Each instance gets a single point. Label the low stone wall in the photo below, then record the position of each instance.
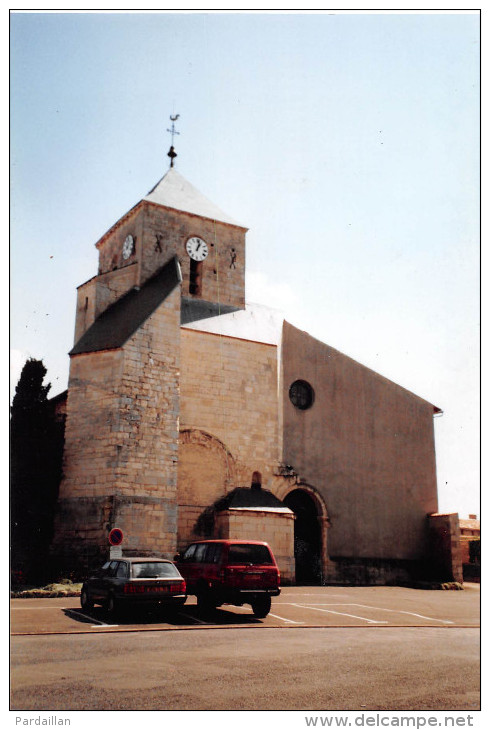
(358, 572)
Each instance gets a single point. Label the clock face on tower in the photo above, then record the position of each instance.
(197, 248)
(128, 247)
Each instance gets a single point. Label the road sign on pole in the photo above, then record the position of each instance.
(115, 536)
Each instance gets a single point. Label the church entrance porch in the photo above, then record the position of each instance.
(309, 537)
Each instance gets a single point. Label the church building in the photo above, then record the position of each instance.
(191, 414)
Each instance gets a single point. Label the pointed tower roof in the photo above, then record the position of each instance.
(174, 191)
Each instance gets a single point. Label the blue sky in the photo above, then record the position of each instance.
(347, 143)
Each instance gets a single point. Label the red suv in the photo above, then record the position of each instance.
(231, 571)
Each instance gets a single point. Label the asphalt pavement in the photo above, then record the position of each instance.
(320, 648)
(298, 606)
(316, 669)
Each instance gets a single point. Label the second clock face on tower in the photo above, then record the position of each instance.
(128, 247)
(197, 248)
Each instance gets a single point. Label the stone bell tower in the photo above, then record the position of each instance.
(173, 219)
(173, 258)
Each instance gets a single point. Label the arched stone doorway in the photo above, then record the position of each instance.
(309, 537)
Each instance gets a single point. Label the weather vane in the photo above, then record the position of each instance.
(172, 153)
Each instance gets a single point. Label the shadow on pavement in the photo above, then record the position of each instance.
(185, 616)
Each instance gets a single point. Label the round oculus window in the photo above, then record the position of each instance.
(301, 395)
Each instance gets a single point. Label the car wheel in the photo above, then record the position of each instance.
(169, 613)
(205, 601)
(85, 600)
(111, 605)
(261, 606)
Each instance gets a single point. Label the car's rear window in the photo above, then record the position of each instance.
(249, 554)
(154, 570)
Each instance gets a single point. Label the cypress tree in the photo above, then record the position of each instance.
(36, 441)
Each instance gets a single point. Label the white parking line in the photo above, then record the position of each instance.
(391, 610)
(90, 618)
(339, 613)
(408, 613)
(287, 620)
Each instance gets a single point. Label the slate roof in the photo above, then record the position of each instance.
(256, 323)
(174, 191)
(123, 318)
(193, 310)
(247, 498)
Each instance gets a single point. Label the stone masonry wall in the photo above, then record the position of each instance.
(91, 424)
(160, 233)
(116, 275)
(367, 446)
(113, 285)
(148, 441)
(229, 390)
(97, 294)
(122, 442)
(110, 247)
(85, 314)
(84, 505)
(206, 472)
(166, 232)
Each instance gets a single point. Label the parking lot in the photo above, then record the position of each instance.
(296, 607)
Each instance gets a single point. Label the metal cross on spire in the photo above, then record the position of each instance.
(172, 153)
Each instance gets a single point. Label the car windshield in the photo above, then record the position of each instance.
(249, 554)
(154, 570)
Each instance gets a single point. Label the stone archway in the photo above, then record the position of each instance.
(206, 471)
(310, 537)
